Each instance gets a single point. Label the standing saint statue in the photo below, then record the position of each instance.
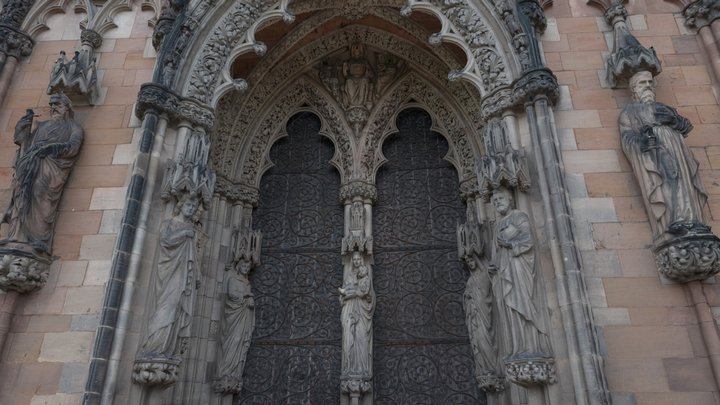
(42, 166)
(175, 283)
(237, 328)
(652, 138)
(515, 284)
(478, 306)
(358, 305)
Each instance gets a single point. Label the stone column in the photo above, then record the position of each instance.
(14, 43)
(357, 297)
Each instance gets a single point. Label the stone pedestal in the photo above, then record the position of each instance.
(22, 270)
(691, 257)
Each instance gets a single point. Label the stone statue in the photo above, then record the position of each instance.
(515, 283)
(652, 138)
(357, 73)
(478, 306)
(237, 328)
(175, 284)
(42, 166)
(358, 305)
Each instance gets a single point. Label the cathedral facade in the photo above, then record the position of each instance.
(359, 202)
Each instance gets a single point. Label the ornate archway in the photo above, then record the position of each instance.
(250, 66)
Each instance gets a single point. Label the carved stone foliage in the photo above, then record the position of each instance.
(535, 83)
(700, 13)
(238, 322)
(652, 138)
(296, 350)
(210, 62)
(42, 166)
(160, 99)
(13, 41)
(490, 62)
(501, 166)
(236, 192)
(422, 351)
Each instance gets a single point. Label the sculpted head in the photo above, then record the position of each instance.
(642, 85)
(357, 260)
(244, 267)
(60, 107)
(188, 206)
(502, 200)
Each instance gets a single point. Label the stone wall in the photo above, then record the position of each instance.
(653, 346)
(46, 356)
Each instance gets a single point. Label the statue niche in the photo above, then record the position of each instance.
(42, 166)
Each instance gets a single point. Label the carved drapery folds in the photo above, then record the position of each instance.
(238, 322)
(652, 138)
(42, 166)
(78, 75)
(357, 296)
(189, 184)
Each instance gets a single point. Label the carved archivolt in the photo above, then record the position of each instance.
(241, 115)
(445, 118)
(475, 28)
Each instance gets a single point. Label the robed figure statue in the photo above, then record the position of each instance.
(42, 166)
(358, 305)
(652, 138)
(175, 284)
(515, 285)
(237, 329)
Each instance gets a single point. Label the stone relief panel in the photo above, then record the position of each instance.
(295, 353)
(422, 351)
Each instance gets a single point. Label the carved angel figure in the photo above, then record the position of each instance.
(358, 305)
(357, 73)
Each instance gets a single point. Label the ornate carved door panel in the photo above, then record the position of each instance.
(422, 352)
(294, 357)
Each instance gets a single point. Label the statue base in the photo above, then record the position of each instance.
(531, 371)
(160, 371)
(490, 382)
(690, 257)
(355, 387)
(227, 385)
(21, 269)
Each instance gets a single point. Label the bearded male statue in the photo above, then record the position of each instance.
(652, 137)
(42, 166)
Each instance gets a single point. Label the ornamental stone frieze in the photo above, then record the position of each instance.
(42, 166)
(700, 13)
(162, 100)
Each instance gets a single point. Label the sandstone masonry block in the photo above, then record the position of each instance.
(67, 347)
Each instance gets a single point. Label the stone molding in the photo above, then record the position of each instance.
(156, 97)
